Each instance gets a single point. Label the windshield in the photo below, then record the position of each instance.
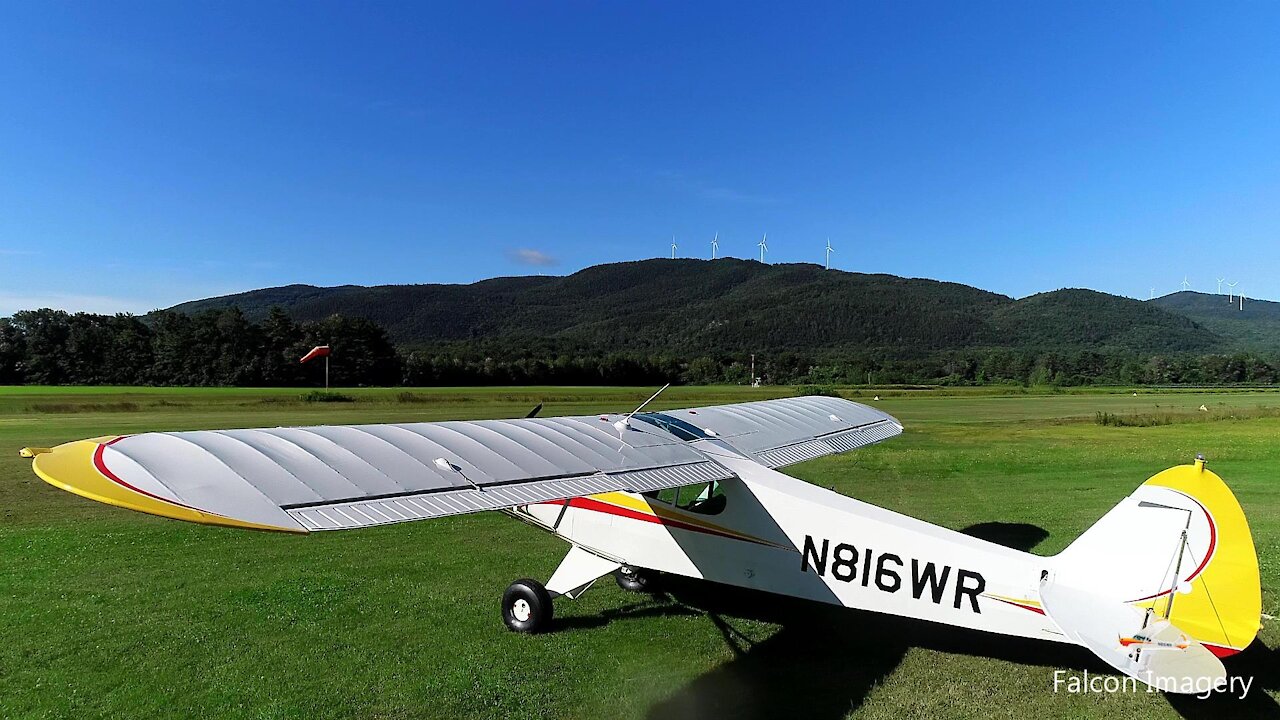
(681, 429)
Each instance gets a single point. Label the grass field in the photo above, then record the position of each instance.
(104, 612)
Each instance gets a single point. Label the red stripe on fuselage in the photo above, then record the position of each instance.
(1032, 608)
(587, 503)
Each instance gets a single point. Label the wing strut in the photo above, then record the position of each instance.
(578, 571)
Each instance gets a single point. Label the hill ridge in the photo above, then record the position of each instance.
(698, 307)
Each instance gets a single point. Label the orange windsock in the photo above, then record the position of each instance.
(316, 352)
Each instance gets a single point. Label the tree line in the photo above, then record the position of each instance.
(53, 347)
(224, 348)
(464, 365)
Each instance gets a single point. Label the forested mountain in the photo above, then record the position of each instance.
(1068, 319)
(697, 307)
(657, 321)
(1251, 325)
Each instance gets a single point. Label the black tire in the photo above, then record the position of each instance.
(635, 579)
(527, 607)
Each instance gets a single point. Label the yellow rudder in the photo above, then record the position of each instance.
(1220, 602)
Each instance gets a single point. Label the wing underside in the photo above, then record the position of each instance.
(421, 506)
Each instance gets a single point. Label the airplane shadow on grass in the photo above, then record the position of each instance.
(825, 660)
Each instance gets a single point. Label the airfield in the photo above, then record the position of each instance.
(108, 612)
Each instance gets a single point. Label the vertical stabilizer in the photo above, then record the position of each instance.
(1164, 582)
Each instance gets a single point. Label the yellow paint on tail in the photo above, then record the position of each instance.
(1224, 607)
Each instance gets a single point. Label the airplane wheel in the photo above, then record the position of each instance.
(634, 580)
(527, 607)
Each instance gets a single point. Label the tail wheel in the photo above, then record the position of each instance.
(527, 607)
(634, 579)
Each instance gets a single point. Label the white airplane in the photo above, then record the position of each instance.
(1159, 588)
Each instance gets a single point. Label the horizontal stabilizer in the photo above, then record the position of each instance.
(1136, 642)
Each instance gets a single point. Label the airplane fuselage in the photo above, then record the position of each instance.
(778, 534)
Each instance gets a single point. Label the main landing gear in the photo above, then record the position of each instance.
(527, 607)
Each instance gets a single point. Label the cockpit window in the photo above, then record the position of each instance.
(681, 429)
(707, 498)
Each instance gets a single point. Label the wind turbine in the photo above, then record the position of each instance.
(1220, 285)
(1231, 292)
(764, 245)
(1185, 285)
(673, 247)
(715, 245)
(829, 251)
(1153, 294)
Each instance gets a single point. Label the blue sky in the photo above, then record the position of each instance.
(157, 152)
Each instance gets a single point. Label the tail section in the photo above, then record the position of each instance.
(1164, 582)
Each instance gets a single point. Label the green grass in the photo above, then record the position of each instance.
(1204, 413)
(104, 612)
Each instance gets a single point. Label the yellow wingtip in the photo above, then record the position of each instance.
(71, 467)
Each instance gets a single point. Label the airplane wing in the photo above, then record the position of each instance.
(336, 477)
(783, 432)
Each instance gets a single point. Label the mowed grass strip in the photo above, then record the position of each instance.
(112, 613)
